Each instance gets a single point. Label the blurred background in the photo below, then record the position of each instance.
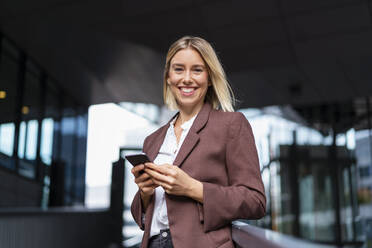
(81, 86)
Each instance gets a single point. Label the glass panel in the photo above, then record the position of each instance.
(32, 129)
(46, 141)
(316, 201)
(346, 206)
(22, 137)
(81, 150)
(7, 138)
(317, 215)
(286, 220)
(56, 154)
(275, 195)
(6, 144)
(27, 148)
(363, 171)
(46, 147)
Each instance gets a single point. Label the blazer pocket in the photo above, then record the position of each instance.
(221, 238)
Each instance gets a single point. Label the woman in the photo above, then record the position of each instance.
(205, 172)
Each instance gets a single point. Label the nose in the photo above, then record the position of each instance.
(187, 78)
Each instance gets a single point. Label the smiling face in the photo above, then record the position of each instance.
(188, 79)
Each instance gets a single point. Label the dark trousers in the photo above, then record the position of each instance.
(162, 240)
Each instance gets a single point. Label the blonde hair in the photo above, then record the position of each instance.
(219, 94)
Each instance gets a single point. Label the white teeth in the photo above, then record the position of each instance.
(187, 90)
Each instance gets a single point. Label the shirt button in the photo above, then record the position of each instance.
(164, 234)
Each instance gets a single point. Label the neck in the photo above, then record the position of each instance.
(187, 113)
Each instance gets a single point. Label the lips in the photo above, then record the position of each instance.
(187, 91)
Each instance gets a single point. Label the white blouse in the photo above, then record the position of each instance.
(167, 154)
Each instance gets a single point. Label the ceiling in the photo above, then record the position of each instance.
(275, 52)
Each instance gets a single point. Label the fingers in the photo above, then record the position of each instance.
(137, 169)
(141, 178)
(159, 177)
(149, 164)
(165, 169)
(147, 183)
(147, 186)
(162, 184)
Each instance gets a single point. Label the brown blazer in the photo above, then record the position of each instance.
(219, 151)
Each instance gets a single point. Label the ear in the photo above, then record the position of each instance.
(168, 81)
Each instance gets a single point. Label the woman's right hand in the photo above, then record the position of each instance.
(144, 183)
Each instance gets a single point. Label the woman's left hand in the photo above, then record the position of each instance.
(175, 181)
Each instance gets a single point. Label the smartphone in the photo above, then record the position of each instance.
(136, 159)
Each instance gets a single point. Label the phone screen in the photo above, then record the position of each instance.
(137, 159)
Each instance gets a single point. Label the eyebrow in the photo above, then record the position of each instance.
(196, 65)
(173, 65)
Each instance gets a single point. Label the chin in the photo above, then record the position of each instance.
(188, 103)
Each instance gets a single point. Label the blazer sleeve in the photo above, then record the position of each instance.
(244, 197)
(137, 208)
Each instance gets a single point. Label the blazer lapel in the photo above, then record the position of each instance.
(192, 137)
(154, 149)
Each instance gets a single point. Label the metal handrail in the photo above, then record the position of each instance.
(246, 236)
(72, 227)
